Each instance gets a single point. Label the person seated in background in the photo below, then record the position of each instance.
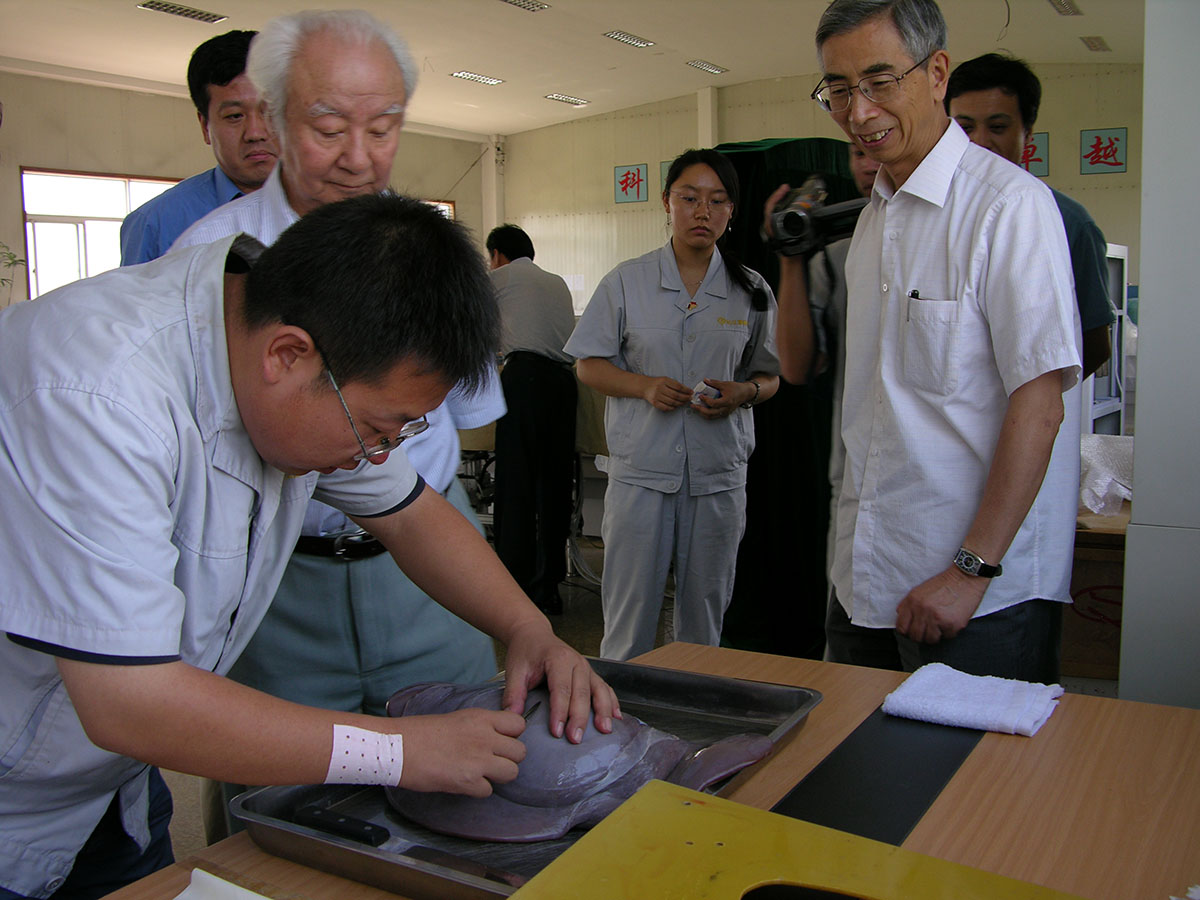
(995, 99)
(207, 396)
(233, 124)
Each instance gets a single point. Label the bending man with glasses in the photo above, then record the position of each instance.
(954, 527)
(202, 417)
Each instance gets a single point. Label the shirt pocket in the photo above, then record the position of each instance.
(931, 329)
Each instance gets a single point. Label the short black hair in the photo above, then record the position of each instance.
(378, 280)
(511, 240)
(994, 70)
(217, 61)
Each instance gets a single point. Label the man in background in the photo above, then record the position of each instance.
(347, 628)
(535, 439)
(995, 99)
(232, 122)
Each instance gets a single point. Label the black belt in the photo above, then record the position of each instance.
(341, 546)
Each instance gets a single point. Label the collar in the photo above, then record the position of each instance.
(278, 212)
(714, 282)
(224, 187)
(216, 407)
(931, 180)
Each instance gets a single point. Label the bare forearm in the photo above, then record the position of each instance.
(794, 328)
(189, 720)
(1031, 423)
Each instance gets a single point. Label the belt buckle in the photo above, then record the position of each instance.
(343, 544)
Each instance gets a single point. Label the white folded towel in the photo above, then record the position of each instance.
(938, 693)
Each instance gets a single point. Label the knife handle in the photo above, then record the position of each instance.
(324, 819)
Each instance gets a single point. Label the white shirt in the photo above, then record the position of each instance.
(959, 292)
(140, 525)
(435, 452)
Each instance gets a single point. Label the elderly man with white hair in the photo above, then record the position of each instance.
(347, 628)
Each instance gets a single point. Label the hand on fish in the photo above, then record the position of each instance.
(558, 785)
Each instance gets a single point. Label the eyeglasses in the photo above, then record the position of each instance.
(877, 88)
(386, 444)
(691, 202)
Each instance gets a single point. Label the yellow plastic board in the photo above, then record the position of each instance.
(670, 842)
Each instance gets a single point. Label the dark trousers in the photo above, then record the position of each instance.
(110, 859)
(1021, 642)
(535, 467)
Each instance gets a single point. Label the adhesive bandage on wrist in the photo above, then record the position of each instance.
(365, 757)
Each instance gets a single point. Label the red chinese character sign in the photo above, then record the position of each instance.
(630, 185)
(1035, 155)
(1102, 151)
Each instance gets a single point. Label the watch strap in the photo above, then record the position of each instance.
(972, 564)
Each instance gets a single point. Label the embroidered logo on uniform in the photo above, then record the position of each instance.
(721, 320)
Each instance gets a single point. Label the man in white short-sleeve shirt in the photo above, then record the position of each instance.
(955, 523)
(162, 429)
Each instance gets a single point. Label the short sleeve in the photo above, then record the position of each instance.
(599, 330)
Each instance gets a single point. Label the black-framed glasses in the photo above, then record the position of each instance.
(385, 444)
(877, 88)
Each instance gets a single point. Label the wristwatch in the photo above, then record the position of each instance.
(973, 564)
(749, 403)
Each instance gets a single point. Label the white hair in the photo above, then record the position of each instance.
(272, 51)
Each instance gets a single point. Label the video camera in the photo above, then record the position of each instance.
(803, 224)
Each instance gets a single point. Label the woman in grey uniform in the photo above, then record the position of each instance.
(681, 340)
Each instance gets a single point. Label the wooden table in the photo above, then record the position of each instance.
(1103, 802)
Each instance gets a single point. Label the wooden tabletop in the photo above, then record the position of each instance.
(1103, 802)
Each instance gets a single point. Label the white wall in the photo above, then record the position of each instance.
(558, 180)
(1160, 656)
(62, 125)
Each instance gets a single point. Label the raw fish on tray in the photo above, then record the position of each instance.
(561, 785)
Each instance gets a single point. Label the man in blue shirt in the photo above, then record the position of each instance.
(995, 99)
(232, 123)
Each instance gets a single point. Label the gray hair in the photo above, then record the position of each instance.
(920, 23)
(269, 64)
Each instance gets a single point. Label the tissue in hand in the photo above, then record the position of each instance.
(704, 390)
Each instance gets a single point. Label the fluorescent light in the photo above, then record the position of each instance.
(705, 66)
(478, 79)
(527, 5)
(187, 12)
(631, 39)
(1065, 7)
(567, 98)
(1096, 44)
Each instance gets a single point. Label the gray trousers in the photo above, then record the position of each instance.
(643, 531)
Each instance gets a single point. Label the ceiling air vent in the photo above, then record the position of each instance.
(477, 78)
(705, 66)
(527, 5)
(1065, 7)
(1096, 44)
(186, 12)
(567, 98)
(631, 39)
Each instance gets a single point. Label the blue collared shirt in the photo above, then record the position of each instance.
(149, 231)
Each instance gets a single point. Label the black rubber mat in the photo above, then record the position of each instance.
(882, 778)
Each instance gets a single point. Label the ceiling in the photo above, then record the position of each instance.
(561, 49)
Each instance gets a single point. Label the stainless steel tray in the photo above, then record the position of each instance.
(424, 865)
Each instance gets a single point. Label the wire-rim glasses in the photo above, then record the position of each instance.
(691, 202)
(386, 444)
(877, 88)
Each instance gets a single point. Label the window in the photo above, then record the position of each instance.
(73, 223)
